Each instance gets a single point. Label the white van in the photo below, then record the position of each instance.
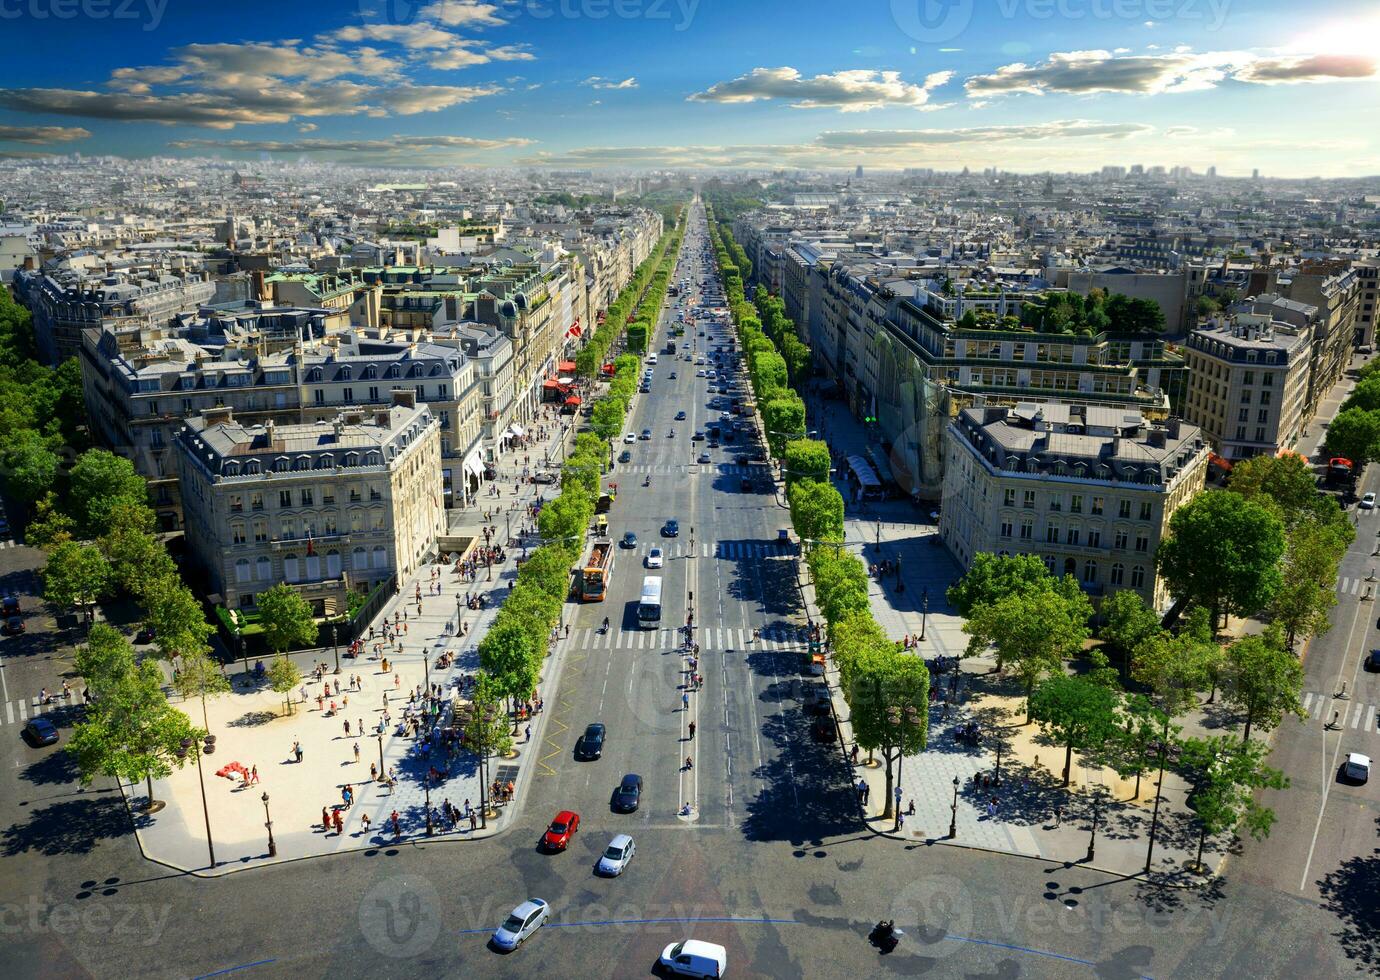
(694, 958)
(651, 358)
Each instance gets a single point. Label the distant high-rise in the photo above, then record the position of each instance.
(1212, 171)
(858, 171)
(1255, 173)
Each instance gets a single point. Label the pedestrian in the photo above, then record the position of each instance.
(326, 818)
(373, 772)
(685, 700)
(855, 753)
(253, 774)
(359, 725)
(297, 750)
(910, 810)
(689, 763)
(527, 734)
(474, 821)
(364, 819)
(692, 731)
(397, 825)
(356, 751)
(1058, 814)
(867, 793)
(339, 824)
(347, 727)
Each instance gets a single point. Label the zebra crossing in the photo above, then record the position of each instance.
(8, 543)
(1353, 586)
(673, 548)
(678, 469)
(1350, 714)
(19, 711)
(708, 637)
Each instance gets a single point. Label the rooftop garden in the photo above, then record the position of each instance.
(1075, 315)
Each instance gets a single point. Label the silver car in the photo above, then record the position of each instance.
(616, 856)
(524, 920)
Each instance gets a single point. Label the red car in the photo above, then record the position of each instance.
(558, 835)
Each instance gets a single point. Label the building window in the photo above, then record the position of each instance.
(1138, 577)
(1006, 528)
(308, 496)
(1244, 415)
(284, 498)
(1076, 504)
(1260, 434)
(328, 495)
(1090, 572)
(1265, 397)
(1241, 432)
(1118, 573)
(1097, 503)
(1094, 539)
(1145, 510)
(318, 396)
(260, 532)
(1073, 535)
(1248, 378)
(348, 394)
(356, 521)
(242, 571)
(1027, 529)
(256, 501)
(237, 533)
(236, 503)
(1052, 534)
(1142, 543)
(1029, 500)
(1009, 497)
(1056, 502)
(1268, 379)
(1123, 510)
(1120, 541)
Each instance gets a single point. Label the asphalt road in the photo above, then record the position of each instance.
(775, 864)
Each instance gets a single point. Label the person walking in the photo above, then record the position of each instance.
(347, 727)
(689, 763)
(326, 818)
(297, 751)
(356, 751)
(397, 825)
(339, 823)
(685, 700)
(1058, 815)
(364, 821)
(253, 774)
(692, 731)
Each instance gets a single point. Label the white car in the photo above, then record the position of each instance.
(654, 558)
(694, 958)
(524, 920)
(630, 437)
(1368, 502)
(616, 856)
(1357, 767)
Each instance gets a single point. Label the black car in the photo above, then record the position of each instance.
(625, 457)
(670, 529)
(145, 635)
(698, 437)
(822, 730)
(591, 744)
(14, 625)
(1373, 660)
(41, 731)
(629, 540)
(11, 605)
(628, 795)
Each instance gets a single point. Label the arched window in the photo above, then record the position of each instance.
(1090, 572)
(380, 556)
(290, 570)
(263, 569)
(359, 559)
(1138, 577)
(332, 564)
(1118, 573)
(241, 571)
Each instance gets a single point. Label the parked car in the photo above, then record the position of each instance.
(1356, 769)
(628, 796)
(616, 856)
(822, 729)
(591, 744)
(1367, 502)
(563, 827)
(695, 958)
(524, 920)
(145, 635)
(40, 731)
(544, 476)
(704, 457)
(1373, 660)
(11, 605)
(630, 437)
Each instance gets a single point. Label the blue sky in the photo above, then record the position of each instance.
(1022, 84)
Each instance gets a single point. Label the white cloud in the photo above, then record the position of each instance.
(1060, 130)
(849, 91)
(391, 146)
(42, 134)
(464, 13)
(596, 81)
(1090, 72)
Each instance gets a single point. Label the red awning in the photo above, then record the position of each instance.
(1220, 461)
(551, 383)
(573, 331)
(573, 400)
(608, 369)
(565, 367)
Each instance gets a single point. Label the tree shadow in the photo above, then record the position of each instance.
(54, 768)
(252, 719)
(73, 826)
(806, 791)
(1349, 892)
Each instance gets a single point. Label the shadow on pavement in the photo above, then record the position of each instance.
(73, 826)
(1349, 892)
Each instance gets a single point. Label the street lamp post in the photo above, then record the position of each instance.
(1092, 840)
(953, 813)
(208, 747)
(899, 716)
(1159, 783)
(427, 787)
(379, 735)
(268, 824)
(335, 646)
(924, 611)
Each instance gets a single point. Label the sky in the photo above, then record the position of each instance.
(1024, 85)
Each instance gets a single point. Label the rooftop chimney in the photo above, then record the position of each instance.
(405, 397)
(220, 415)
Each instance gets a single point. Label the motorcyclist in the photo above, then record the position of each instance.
(606, 624)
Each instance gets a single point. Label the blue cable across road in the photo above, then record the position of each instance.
(232, 969)
(1027, 949)
(645, 922)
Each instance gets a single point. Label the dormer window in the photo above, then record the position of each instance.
(280, 465)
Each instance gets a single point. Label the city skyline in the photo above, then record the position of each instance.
(1021, 85)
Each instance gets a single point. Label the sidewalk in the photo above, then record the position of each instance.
(253, 730)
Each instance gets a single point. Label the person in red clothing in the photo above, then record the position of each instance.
(397, 826)
(339, 824)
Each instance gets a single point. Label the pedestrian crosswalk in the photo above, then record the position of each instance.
(673, 548)
(708, 637)
(676, 469)
(1350, 714)
(20, 710)
(1353, 586)
(10, 543)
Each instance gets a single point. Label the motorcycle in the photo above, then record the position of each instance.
(885, 936)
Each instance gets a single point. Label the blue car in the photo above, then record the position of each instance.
(41, 731)
(670, 529)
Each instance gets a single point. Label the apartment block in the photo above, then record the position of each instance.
(1089, 489)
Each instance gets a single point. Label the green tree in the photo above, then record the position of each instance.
(31, 464)
(486, 727)
(1263, 682)
(548, 569)
(508, 655)
(1223, 553)
(198, 676)
(1287, 481)
(179, 624)
(1365, 395)
(783, 415)
(1074, 712)
(1355, 434)
(816, 510)
(1133, 749)
(888, 702)
(1128, 623)
(286, 618)
(137, 558)
(76, 576)
(100, 480)
(606, 419)
(49, 526)
(283, 676)
(806, 459)
(105, 661)
(1308, 587)
(1225, 775)
(1177, 667)
(1033, 631)
(991, 577)
(131, 732)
